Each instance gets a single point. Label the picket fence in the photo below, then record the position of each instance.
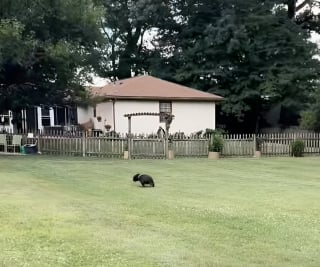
(151, 146)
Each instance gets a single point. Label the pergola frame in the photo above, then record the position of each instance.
(168, 119)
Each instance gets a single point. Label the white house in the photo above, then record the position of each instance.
(193, 110)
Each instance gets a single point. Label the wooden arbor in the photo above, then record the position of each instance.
(168, 119)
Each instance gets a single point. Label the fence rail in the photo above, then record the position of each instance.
(150, 146)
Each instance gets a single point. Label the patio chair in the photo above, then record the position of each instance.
(16, 142)
(3, 142)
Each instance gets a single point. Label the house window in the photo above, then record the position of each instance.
(45, 116)
(164, 108)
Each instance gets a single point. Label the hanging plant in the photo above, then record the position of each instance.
(107, 127)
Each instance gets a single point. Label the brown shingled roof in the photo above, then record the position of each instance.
(148, 87)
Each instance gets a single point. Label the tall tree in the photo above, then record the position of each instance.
(249, 51)
(125, 25)
(295, 6)
(46, 50)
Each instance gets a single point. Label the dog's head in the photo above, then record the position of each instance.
(136, 177)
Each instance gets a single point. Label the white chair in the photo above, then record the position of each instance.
(16, 142)
(3, 142)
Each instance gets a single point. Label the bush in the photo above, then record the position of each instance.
(208, 132)
(216, 144)
(309, 120)
(297, 148)
(259, 142)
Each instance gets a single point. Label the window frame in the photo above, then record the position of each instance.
(164, 110)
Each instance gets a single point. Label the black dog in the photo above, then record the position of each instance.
(143, 179)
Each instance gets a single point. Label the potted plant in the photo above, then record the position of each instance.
(99, 118)
(126, 152)
(107, 127)
(215, 146)
(297, 148)
(170, 148)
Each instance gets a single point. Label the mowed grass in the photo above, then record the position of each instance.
(230, 212)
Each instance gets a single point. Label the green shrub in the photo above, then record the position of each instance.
(297, 148)
(216, 143)
(309, 120)
(209, 132)
(259, 142)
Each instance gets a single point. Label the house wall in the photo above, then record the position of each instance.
(84, 114)
(190, 117)
(139, 124)
(105, 111)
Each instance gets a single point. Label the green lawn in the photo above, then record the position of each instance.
(231, 212)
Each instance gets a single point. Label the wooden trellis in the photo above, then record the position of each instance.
(168, 119)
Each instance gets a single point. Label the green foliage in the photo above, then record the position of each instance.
(46, 50)
(259, 142)
(309, 120)
(216, 143)
(309, 17)
(250, 52)
(126, 24)
(217, 131)
(297, 148)
(310, 117)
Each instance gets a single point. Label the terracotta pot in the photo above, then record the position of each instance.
(170, 154)
(213, 155)
(257, 154)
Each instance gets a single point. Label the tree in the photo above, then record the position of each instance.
(125, 25)
(310, 116)
(46, 50)
(294, 6)
(250, 52)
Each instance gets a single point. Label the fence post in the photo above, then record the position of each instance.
(38, 142)
(83, 144)
(166, 143)
(257, 148)
(129, 138)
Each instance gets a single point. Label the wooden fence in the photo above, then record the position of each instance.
(238, 145)
(85, 146)
(142, 146)
(147, 148)
(275, 144)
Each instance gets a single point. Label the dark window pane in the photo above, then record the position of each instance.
(46, 121)
(45, 112)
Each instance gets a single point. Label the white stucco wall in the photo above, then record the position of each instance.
(105, 111)
(141, 124)
(190, 117)
(84, 114)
